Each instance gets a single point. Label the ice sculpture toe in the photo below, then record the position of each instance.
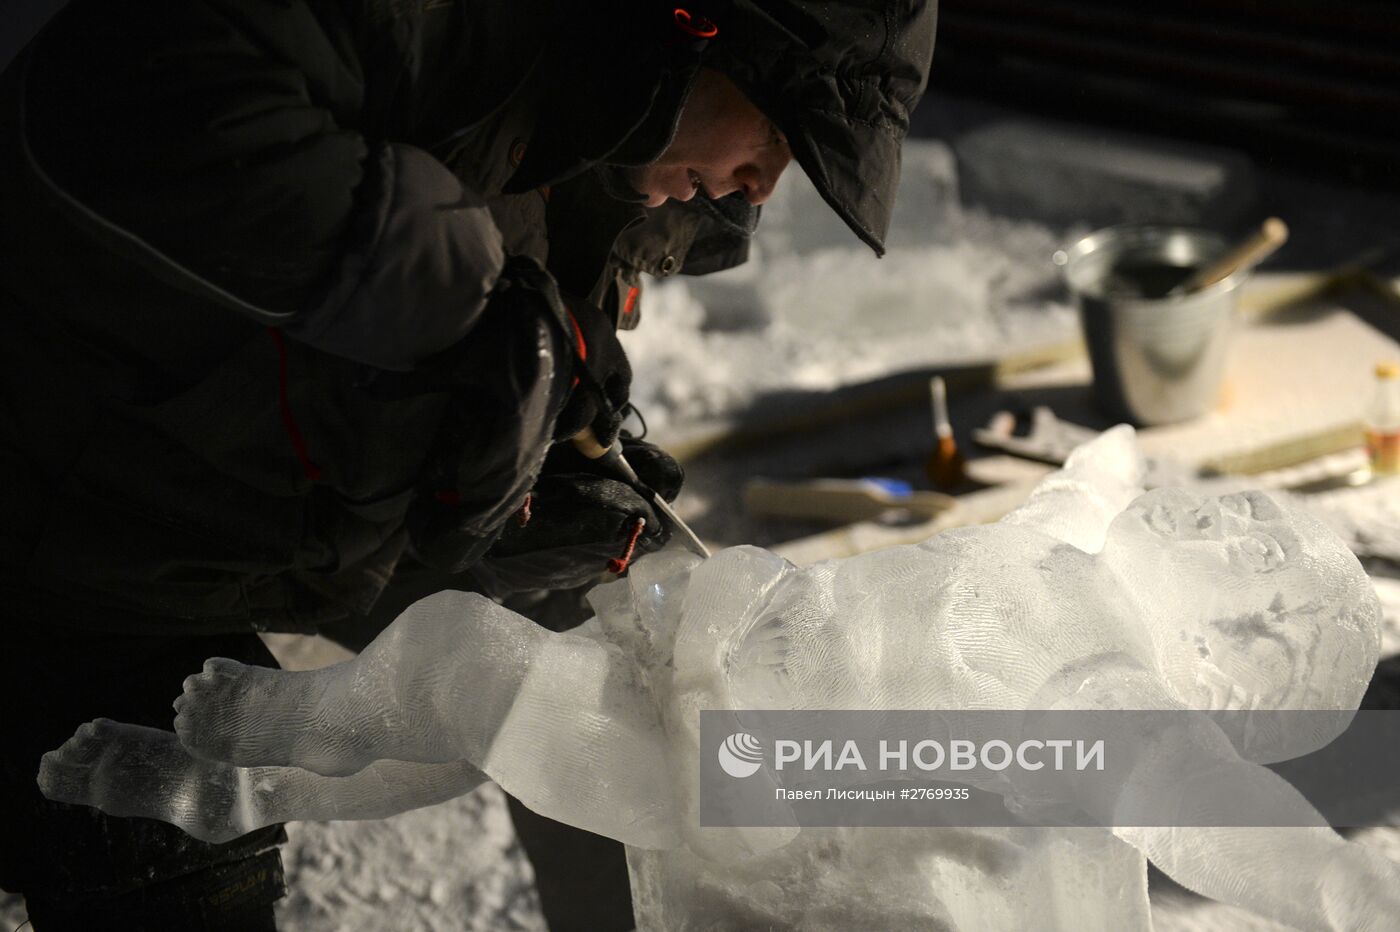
(210, 714)
(66, 774)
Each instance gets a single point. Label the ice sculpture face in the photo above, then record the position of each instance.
(1249, 603)
(974, 618)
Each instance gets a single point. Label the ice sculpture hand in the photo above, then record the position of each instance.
(1092, 595)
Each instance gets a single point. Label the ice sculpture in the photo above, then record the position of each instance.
(1092, 595)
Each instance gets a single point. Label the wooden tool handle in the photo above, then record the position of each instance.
(611, 458)
(1272, 234)
(586, 442)
(938, 395)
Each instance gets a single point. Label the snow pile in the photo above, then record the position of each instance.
(454, 867)
(815, 309)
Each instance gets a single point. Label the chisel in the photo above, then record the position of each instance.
(586, 442)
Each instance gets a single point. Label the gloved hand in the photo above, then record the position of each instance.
(603, 376)
(535, 369)
(580, 525)
(505, 385)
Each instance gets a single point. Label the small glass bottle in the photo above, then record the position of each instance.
(1382, 421)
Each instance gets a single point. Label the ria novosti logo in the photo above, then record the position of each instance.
(740, 755)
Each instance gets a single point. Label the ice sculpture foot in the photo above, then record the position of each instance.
(260, 717)
(67, 773)
(129, 770)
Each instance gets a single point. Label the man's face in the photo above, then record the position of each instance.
(723, 144)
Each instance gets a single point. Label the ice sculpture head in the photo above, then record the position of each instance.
(1249, 604)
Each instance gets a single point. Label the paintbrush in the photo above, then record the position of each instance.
(944, 465)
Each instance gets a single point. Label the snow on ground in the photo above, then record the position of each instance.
(454, 867)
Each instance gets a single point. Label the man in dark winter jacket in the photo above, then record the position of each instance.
(304, 302)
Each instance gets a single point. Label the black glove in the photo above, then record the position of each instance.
(603, 374)
(505, 383)
(580, 525)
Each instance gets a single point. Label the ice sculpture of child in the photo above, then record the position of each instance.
(1092, 595)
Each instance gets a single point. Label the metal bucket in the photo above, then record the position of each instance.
(1156, 360)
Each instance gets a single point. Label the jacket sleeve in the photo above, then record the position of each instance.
(224, 143)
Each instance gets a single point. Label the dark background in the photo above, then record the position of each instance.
(1305, 84)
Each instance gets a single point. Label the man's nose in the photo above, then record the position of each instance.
(757, 193)
(758, 181)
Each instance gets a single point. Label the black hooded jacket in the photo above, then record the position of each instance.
(235, 231)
